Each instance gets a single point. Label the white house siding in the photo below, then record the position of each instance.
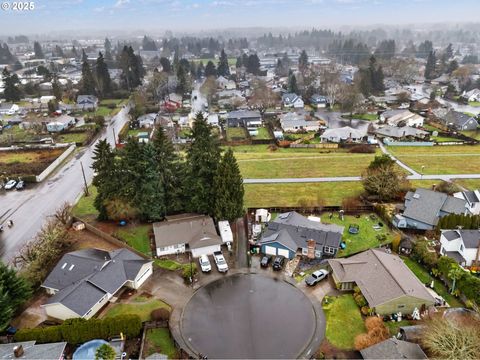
(142, 276)
(469, 254)
(172, 249)
(59, 311)
(207, 250)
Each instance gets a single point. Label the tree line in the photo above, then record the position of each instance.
(150, 180)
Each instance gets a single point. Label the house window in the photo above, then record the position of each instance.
(88, 312)
(461, 247)
(304, 251)
(329, 250)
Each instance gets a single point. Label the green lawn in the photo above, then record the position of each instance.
(168, 264)
(160, 341)
(344, 321)
(259, 152)
(470, 184)
(117, 102)
(394, 326)
(423, 275)
(139, 306)
(137, 237)
(84, 208)
(369, 117)
(236, 133)
(457, 159)
(263, 134)
(365, 239)
(301, 194)
(104, 111)
(474, 103)
(475, 134)
(77, 137)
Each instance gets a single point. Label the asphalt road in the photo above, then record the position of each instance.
(30, 208)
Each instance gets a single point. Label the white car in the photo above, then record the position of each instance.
(222, 265)
(10, 184)
(205, 263)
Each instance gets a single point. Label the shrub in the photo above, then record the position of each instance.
(160, 314)
(189, 271)
(360, 300)
(373, 322)
(376, 332)
(447, 187)
(365, 310)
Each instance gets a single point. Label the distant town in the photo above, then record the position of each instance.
(259, 194)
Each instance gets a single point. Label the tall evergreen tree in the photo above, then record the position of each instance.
(14, 291)
(292, 83)
(210, 69)
(166, 66)
(303, 61)
(104, 81)
(430, 66)
(132, 68)
(37, 49)
(108, 50)
(88, 81)
(203, 157)
(56, 89)
(228, 189)
(74, 52)
(223, 68)
(105, 179)
(253, 64)
(11, 90)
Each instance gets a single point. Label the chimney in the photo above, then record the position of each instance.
(311, 249)
(18, 351)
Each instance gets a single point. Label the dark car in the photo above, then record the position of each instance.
(316, 277)
(266, 260)
(278, 263)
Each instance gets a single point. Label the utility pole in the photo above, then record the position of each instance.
(84, 180)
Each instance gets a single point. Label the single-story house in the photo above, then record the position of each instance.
(84, 281)
(224, 83)
(343, 134)
(292, 100)
(147, 120)
(459, 121)
(245, 118)
(406, 132)
(402, 118)
(291, 233)
(44, 100)
(387, 284)
(86, 102)
(60, 123)
(193, 232)
(8, 108)
(472, 95)
(293, 122)
(393, 349)
(319, 101)
(31, 350)
(472, 198)
(461, 245)
(423, 208)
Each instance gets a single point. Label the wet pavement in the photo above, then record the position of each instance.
(251, 316)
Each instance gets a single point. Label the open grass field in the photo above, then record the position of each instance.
(77, 137)
(236, 133)
(137, 236)
(344, 321)
(159, 341)
(474, 134)
(304, 194)
(140, 306)
(440, 159)
(27, 162)
(367, 237)
(470, 184)
(423, 275)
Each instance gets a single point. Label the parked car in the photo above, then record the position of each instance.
(222, 265)
(266, 260)
(20, 185)
(316, 277)
(205, 263)
(278, 263)
(10, 184)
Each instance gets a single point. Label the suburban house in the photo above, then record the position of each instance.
(192, 232)
(291, 233)
(84, 281)
(173, 102)
(402, 133)
(387, 284)
(87, 102)
(147, 120)
(459, 121)
(291, 100)
(8, 108)
(343, 134)
(393, 349)
(319, 101)
(224, 83)
(472, 95)
(31, 350)
(402, 118)
(245, 118)
(423, 208)
(293, 122)
(461, 245)
(472, 198)
(60, 123)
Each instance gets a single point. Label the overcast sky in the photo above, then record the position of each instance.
(57, 15)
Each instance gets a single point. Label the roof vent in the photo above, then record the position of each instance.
(71, 267)
(416, 196)
(64, 266)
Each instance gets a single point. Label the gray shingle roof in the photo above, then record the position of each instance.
(457, 118)
(393, 349)
(425, 205)
(470, 238)
(399, 132)
(51, 351)
(380, 276)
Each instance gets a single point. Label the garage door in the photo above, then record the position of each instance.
(270, 250)
(284, 252)
(206, 250)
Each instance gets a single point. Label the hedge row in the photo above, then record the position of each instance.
(77, 331)
(468, 284)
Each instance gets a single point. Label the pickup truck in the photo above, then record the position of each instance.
(222, 265)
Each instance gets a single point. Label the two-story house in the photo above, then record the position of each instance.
(461, 245)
